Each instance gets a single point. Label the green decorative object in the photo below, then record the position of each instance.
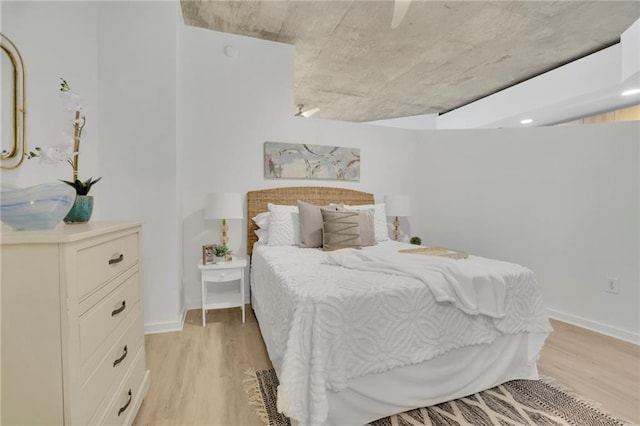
(221, 250)
(51, 154)
(82, 188)
(222, 253)
(81, 210)
(415, 240)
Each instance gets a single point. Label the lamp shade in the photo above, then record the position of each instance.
(223, 206)
(397, 205)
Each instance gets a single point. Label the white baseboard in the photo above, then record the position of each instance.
(167, 326)
(596, 326)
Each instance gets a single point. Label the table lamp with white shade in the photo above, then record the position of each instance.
(397, 206)
(223, 206)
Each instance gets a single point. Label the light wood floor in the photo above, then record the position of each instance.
(196, 374)
(597, 367)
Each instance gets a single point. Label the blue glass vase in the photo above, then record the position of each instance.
(36, 207)
(81, 210)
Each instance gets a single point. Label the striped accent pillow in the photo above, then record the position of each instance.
(340, 230)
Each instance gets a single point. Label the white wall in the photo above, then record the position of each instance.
(137, 87)
(230, 107)
(630, 64)
(415, 122)
(55, 40)
(562, 200)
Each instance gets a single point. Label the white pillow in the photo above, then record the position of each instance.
(379, 219)
(262, 220)
(284, 226)
(263, 235)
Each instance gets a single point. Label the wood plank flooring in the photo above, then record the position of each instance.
(196, 374)
(597, 367)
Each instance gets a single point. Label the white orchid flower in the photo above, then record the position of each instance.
(52, 154)
(71, 101)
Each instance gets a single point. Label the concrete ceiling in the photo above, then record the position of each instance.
(351, 65)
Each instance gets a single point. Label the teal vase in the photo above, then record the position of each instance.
(81, 210)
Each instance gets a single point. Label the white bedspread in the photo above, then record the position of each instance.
(473, 287)
(324, 324)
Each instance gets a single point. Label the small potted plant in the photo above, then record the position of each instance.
(83, 206)
(415, 240)
(221, 251)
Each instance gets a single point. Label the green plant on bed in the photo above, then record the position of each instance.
(415, 240)
(221, 250)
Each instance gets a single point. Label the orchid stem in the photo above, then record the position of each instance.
(77, 131)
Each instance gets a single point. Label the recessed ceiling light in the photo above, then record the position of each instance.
(630, 92)
(526, 121)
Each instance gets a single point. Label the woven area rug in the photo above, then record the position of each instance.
(515, 403)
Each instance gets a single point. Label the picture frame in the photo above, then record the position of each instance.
(208, 254)
(305, 161)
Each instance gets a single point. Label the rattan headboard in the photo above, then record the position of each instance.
(257, 201)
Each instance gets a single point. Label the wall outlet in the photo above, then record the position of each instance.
(613, 285)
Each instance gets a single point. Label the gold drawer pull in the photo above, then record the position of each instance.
(116, 260)
(125, 406)
(119, 360)
(120, 309)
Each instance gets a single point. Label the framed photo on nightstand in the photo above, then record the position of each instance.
(208, 254)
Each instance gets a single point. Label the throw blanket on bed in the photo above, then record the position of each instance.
(476, 289)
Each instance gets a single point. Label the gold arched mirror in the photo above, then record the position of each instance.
(12, 93)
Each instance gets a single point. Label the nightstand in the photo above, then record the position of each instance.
(218, 273)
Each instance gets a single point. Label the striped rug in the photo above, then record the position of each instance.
(515, 403)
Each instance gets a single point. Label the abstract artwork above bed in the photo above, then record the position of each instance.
(304, 161)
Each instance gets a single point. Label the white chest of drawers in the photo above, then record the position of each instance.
(72, 326)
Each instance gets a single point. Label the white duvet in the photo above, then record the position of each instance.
(476, 288)
(324, 324)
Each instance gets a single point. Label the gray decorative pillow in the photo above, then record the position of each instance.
(340, 230)
(311, 224)
(367, 228)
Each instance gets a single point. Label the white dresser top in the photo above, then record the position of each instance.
(63, 233)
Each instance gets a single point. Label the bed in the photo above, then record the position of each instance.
(353, 345)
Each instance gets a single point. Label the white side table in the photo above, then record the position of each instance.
(222, 273)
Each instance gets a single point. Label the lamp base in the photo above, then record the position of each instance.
(223, 231)
(396, 228)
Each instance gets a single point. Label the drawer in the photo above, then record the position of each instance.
(222, 276)
(104, 379)
(99, 263)
(127, 396)
(97, 324)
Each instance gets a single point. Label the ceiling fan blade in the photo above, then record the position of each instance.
(310, 112)
(400, 8)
